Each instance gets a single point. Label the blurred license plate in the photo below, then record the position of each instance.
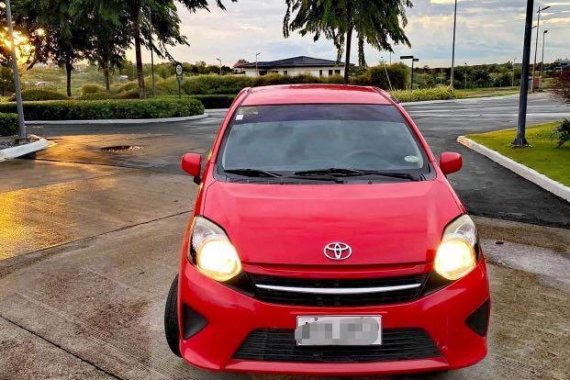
(339, 331)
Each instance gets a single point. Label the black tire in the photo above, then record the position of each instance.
(171, 329)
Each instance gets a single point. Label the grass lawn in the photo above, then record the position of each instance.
(542, 157)
(483, 92)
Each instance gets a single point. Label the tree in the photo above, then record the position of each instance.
(150, 17)
(378, 23)
(110, 41)
(67, 34)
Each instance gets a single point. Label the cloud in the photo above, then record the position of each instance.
(487, 31)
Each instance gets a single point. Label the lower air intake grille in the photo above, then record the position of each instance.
(279, 346)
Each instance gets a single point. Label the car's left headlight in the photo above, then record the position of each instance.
(214, 254)
(456, 254)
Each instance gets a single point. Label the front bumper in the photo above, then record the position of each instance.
(231, 316)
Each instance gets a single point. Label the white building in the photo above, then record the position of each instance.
(292, 67)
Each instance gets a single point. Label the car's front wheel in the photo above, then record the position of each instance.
(171, 329)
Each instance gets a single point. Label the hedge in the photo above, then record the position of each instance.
(438, 93)
(8, 124)
(37, 94)
(215, 101)
(108, 109)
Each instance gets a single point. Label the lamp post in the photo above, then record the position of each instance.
(514, 61)
(386, 72)
(452, 74)
(256, 68)
(413, 59)
(542, 64)
(220, 61)
(22, 132)
(520, 140)
(151, 53)
(536, 44)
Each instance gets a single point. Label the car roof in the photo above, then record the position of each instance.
(314, 94)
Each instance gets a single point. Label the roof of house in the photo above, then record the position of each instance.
(301, 61)
(314, 94)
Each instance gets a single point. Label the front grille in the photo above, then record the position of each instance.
(279, 345)
(380, 297)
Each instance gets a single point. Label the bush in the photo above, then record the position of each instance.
(215, 101)
(99, 96)
(8, 124)
(37, 95)
(438, 93)
(562, 133)
(91, 89)
(108, 109)
(376, 76)
(124, 87)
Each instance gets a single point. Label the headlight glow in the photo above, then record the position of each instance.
(215, 256)
(456, 254)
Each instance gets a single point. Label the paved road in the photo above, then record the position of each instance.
(89, 241)
(486, 188)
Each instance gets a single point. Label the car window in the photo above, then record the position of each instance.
(292, 138)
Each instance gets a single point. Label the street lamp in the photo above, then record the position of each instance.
(219, 60)
(536, 44)
(256, 68)
(514, 61)
(520, 140)
(22, 133)
(386, 72)
(413, 59)
(542, 64)
(452, 75)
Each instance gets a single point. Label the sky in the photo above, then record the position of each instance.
(488, 31)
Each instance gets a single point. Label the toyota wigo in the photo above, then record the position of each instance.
(326, 239)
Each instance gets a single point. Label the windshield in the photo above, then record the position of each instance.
(331, 139)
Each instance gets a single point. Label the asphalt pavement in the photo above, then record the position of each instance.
(89, 241)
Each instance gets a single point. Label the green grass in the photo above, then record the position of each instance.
(485, 92)
(542, 157)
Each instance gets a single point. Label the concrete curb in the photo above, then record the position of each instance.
(22, 150)
(532, 175)
(118, 121)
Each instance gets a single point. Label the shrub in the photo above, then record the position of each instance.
(131, 94)
(562, 133)
(37, 95)
(124, 87)
(8, 124)
(99, 96)
(438, 93)
(376, 76)
(108, 109)
(91, 89)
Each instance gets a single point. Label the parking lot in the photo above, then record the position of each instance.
(89, 241)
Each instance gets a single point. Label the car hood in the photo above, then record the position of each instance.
(384, 224)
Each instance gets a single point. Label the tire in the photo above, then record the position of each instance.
(171, 328)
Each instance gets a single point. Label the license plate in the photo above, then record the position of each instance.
(358, 330)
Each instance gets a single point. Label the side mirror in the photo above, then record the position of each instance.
(450, 162)
(192, 164)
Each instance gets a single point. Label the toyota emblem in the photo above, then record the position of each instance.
(338, 251)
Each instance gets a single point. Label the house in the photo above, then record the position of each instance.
(292, 67)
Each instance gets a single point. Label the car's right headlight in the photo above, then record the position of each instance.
(214, 254)
(456, 254)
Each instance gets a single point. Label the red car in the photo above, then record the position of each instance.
(327, 240)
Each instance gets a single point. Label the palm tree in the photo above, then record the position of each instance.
(379, 23)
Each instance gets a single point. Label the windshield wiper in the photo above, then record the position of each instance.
(253, 173)
(346, 172)
(339, 172)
